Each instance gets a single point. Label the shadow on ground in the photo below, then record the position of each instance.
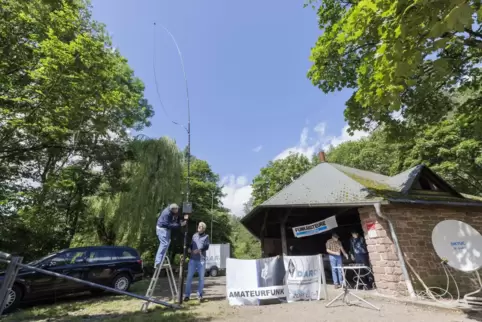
(62, 315)
(111, 307)
(474, 315)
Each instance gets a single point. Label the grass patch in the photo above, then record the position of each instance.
(87, 307)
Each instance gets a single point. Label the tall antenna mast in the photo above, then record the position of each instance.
(187, 207)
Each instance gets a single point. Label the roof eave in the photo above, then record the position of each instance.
(255, 210)
(436, 202)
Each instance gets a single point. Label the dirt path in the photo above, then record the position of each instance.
(122, 308)
(316, 310)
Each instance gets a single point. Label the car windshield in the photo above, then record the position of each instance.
(38, 261)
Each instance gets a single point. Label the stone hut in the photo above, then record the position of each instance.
(395, 214)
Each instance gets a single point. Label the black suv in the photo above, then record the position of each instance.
(113, 266)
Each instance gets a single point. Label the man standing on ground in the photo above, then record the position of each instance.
(168, 220)
(197, 261)
(334, 249)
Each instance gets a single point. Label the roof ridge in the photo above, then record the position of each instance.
(345, 166)
(292, 182)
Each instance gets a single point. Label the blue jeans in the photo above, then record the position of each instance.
(336, 273)
(164, 236)
(200, 267)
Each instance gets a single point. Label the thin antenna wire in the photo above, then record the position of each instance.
(155, 76)
(183, 71)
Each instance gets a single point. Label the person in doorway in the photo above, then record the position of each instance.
(197, 261)
(358, 249)
(335, 249)
(294, 251)
(359, 254)
(168, 220)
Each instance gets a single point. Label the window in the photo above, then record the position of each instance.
(426, 184)
(126, 254)
(68, 258)
(101, 256)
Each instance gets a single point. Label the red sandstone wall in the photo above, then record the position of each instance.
(414, 226)
(383, 255)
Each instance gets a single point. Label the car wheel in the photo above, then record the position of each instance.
(13, 300)
(213, 272)
(121, 282)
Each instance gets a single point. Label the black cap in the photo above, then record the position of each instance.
(335, 235)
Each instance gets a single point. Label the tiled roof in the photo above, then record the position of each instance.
(334, 185)
(330, 184)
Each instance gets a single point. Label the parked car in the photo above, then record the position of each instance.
(116, 267)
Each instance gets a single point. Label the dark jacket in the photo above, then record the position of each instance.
(358, 245)
(168, 220)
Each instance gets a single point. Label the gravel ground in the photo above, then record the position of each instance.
(316, 310)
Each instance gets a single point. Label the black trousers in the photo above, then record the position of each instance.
(367, 278)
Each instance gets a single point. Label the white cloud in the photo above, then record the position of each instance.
(258, 148)
(310, 144)
(237, 191)
(345, 137)
(237, 188)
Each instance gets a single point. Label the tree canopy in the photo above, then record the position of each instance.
(404, 56)
(67, 102)
(278, 174)
(70, 174)
(452, 148)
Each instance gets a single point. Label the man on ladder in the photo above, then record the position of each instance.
(168, 220)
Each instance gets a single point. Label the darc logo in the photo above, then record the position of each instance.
(294, 273)
(306, 274)
(212, 258)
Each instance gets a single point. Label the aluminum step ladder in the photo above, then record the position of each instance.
(170, 277)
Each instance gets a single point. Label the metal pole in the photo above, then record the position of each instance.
(109, 289)
(188, 129)
(212, 215)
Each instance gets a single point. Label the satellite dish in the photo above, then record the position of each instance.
(459, 244)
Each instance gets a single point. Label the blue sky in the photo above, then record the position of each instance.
(246, 65)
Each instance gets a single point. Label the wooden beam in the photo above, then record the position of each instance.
(263, 233)
(284, 245)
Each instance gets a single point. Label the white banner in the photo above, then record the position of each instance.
(303, 277)
(274, 280)
(315, 228)
(256, 281)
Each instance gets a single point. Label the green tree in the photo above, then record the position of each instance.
(244, 246)
(377, 153)
(127, 215)
(206, 197)
(67, 100)
(278, 174)
(452, 148)
(398, 56)
(248, 206)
